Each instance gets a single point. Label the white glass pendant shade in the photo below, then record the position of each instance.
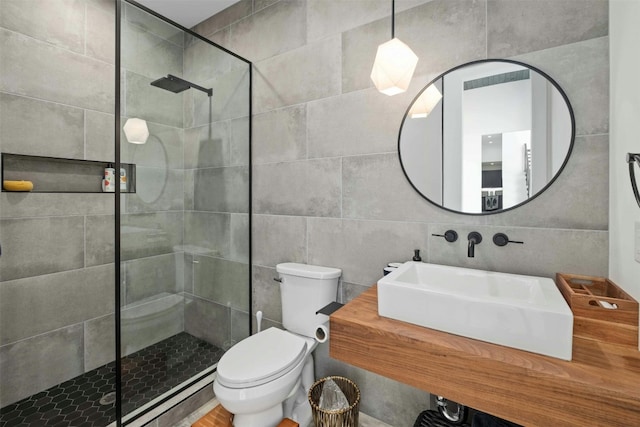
(136, 131)
(393, 67)
(425, 102)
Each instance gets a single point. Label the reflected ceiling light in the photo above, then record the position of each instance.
(425, 102)
(394, 64)
(136, 131)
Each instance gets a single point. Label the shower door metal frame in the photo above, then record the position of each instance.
(117, 221)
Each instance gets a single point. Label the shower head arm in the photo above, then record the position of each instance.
(191, 85)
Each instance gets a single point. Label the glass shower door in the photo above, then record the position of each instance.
(184, 207)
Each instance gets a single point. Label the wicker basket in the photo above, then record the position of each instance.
(347, 417)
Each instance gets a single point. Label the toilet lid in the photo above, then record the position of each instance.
(260, 358)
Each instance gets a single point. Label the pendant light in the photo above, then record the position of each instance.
(136, 131)
(425, 102)
(394, 64)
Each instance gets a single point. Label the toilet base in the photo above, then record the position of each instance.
(268, 418)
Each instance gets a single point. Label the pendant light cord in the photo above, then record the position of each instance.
(393, 18)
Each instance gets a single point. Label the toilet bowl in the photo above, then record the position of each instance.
(254, 390)
(267, 376)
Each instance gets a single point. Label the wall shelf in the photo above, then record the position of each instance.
(59, 175)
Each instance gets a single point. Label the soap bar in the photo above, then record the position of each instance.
(17, 185)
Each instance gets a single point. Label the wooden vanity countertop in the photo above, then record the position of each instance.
(599, 387)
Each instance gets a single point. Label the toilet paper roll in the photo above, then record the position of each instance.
(322, 332)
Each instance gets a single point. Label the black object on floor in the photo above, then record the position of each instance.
(433, 419)
(89, 399)
(480, 419)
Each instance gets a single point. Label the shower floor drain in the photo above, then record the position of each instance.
(108, 398)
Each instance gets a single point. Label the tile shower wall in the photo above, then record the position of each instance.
(56, 277)
(328, 188)
(216, 167)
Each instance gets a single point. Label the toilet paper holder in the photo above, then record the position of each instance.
(330, 308)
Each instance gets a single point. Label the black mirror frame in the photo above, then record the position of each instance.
(543, 189)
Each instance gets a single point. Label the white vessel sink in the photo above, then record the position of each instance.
(523, 312)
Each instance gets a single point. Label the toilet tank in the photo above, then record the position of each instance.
(305, 289)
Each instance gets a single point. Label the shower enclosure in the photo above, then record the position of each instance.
(113, 302)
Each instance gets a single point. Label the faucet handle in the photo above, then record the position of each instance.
(449, 235)
(501, 239)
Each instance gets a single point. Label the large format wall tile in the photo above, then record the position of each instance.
(516, 27)
(310, 187)
(100, 33)
(207, 233)
(149, 234)
(40, 70)
(207, 146)
(586, 85)
(222, 281)
(99, 136)
(300, 75)
(254, 38)
(147, 278)
(222, 189)
(99, 240)
(157, 189)
(545, 252)
(99, 342)
(330, 123)
(326, 18)
(21, 205)
(240, 235)
(578, 199)
(280, 135)
(277, 239)
(149, 55)
(35, 364)
(230, 97)
(240, 144)
(266, 293)
(363, 248)
(29, 126)
(41, 304)
(374, 187)
(59, 22)
(150, 24)
(36, 246)
(207, 320)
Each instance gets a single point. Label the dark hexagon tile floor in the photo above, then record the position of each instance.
(146, 374)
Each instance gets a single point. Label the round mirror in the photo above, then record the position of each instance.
(486, 136)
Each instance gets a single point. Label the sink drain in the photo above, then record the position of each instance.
(108, 398)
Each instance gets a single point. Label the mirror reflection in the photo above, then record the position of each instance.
(486, 136)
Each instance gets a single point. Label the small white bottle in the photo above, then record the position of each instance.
(123, 180)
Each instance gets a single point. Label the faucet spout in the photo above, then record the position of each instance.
(474, 239)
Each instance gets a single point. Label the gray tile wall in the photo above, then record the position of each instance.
(217, 273)
(56, 269)
(328, 188)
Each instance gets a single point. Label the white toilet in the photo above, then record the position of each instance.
(267, 376)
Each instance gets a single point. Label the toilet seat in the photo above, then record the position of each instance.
(261, 358)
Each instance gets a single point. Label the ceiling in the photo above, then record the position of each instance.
(187, 12)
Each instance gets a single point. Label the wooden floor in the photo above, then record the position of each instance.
(220, 417)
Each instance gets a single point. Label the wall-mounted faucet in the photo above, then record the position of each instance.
(449, 235)
(474, 239)
(501, 239)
